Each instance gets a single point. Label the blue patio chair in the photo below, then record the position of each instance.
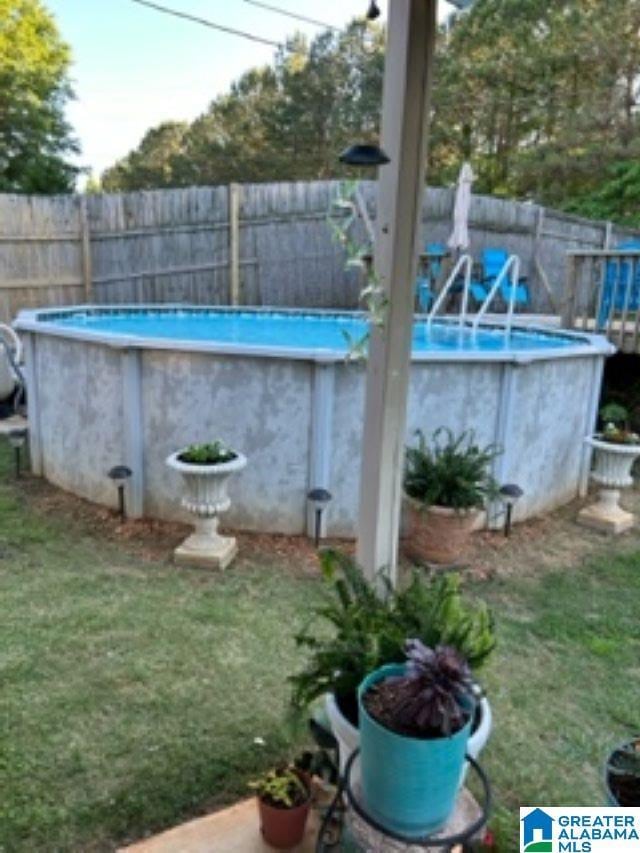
(493, 261)
(424, 293)
(617, 287)
(435, 253)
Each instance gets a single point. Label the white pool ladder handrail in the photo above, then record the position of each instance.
(464, 262)
(511, 265)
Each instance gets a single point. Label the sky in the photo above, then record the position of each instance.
(134, 67)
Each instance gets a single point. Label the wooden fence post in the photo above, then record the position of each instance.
(234, 243)
(538, 269)
(570, 293)
(85, 249)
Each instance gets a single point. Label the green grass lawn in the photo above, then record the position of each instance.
(132, 691)
(563, 683)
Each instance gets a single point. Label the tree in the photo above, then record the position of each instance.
(93, 186)
(281, 122)
(35, 139)
(542, 97)
(153, 163)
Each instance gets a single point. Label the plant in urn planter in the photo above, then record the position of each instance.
(615, 449)
(205, 471)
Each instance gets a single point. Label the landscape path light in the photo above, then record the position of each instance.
(120, 474)
(319, 500)
(510, 494)
(17, 438)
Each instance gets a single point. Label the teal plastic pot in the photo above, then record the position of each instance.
(409, 785)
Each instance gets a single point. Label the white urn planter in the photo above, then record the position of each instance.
(348, 736)
(612, 465)
(205, 495)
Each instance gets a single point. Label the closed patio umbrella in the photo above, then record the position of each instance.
(459, 239)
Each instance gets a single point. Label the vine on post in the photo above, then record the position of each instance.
(342, 216)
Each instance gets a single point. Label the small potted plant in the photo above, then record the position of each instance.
(205, 471)
(415, 721)
(368, 625)
(622, 775)
(447, 483)
(284, 797)
(615, 448)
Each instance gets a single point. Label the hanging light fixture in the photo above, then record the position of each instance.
(373, 11)
(364, 155)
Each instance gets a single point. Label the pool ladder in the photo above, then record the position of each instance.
(464, 267)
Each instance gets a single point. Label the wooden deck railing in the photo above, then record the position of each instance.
(602, 294)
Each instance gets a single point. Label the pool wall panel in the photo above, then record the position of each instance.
(293, 426)
(79, 389)
(260, 406)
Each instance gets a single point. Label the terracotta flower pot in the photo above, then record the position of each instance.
(437, 534)
(283, 828)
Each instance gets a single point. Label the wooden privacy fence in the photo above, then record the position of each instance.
(603, 295)
(251, 244)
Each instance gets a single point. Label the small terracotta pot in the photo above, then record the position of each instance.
(284, 828)
(437, 534)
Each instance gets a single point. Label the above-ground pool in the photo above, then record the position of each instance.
(131, 385)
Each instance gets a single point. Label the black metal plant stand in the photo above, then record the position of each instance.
(430, 842)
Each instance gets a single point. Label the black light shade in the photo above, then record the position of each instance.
(373, 11)
(364, 155)
(17, 437)
(510, 493)
(119, 473)
(320, 497)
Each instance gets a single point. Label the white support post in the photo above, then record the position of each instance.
(591, 418)
(321, 442)
(501, 466)
(408, 70)
(132, 429)
(33, 398)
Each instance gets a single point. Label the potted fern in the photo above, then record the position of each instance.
(284, 797)
(447, 483)
(415, 724)
(360, 627)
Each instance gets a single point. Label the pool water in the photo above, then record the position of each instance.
(294, 330)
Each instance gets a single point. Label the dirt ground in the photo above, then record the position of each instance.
(554, 540)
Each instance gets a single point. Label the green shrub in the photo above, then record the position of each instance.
(451, 472)
(281, 787)
(369, 629)
(614, 413)
(214, 453)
